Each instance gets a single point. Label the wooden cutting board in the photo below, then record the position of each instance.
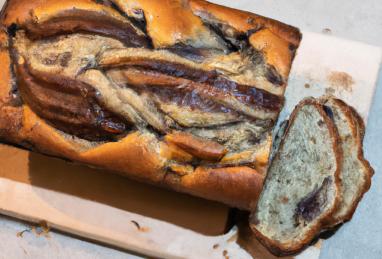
(107, 208)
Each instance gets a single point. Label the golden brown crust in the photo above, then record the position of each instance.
(276, 50)
(200, 148)
(23, 11)
(282, 249)
(370, 172)
(239, 184)
(160, 26)
(269, 35)
(277, 249)
(141, 154)
(358, 131)
(160, 20)
(245, 21)
(49, 18)
(171, 152)
(5, 72)
(11, 116)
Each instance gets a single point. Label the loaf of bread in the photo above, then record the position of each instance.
(183, 94)
(316, 178)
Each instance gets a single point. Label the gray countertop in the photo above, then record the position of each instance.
(362, 237)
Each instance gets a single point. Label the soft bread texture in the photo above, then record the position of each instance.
(301, 190)
(356, 172)
(182, 94)
(283, 221)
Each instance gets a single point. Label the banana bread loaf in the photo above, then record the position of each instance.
(182, 94)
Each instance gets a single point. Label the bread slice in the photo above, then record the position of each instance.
(301, 190)
(356, 172)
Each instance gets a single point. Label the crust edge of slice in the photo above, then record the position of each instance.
(357, 126)
(278, 248)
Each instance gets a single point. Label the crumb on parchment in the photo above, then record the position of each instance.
(327, 31)
(139, 227)
(42, 229)
(340, 81)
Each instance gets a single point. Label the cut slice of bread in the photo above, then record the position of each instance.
(301, 191)
(356, 172)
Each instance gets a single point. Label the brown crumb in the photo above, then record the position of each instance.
(225, 254)
(139, 227)
(341, 80)
(310, 79)
(21, 233)
(216, 246)
(136, 224)
(318, 245)
(42, 229)
(307, 86)
(327, 31)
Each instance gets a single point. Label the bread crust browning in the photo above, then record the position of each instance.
(24, 11)
(141, 154)
(21, 125)
(241, 184)
(282, 249)
(245, 21)
(369, 170)
(357, 131)
(276, 50)
(273, 33)
(10, 116)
